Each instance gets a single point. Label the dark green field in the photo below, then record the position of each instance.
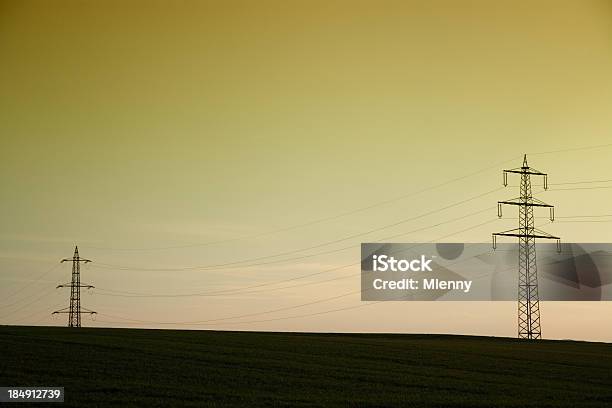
(126, 367)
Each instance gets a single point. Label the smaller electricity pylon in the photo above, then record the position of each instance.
(529, 326)
(74, 310)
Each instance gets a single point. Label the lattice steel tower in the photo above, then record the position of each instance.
(529, 325)
(74, 310)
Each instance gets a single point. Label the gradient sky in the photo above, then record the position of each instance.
(131, 127)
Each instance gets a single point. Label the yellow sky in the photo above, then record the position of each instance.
(131, 125)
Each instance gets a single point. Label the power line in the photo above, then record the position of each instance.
(215, 321)
(323, 244)
(353, 236)
(241, 290)
(233, 291)
(582, 182)
(352, 246)
(585, 216)
(403, 249)
(582, 221)
(581, 188)
(569, 217)
(45, 311)
(317, 221)
(38, 278)
(281, 318)
(259, 313)
(351, 212)
(44, 294)
(237, 263)
(573, 149)
(244, 315)
(576, 183)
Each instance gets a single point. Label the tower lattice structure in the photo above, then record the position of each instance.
(529, 321)
(74, 310)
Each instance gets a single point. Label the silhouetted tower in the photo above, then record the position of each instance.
(74, 310)
(529, 326)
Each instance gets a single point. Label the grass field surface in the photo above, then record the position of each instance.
(161, 368)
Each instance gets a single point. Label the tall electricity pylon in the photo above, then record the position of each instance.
(529, 326)
(74, 310)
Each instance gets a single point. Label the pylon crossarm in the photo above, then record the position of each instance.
(531, 203)
(529, 170)
(75, 312)
(547, 236)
